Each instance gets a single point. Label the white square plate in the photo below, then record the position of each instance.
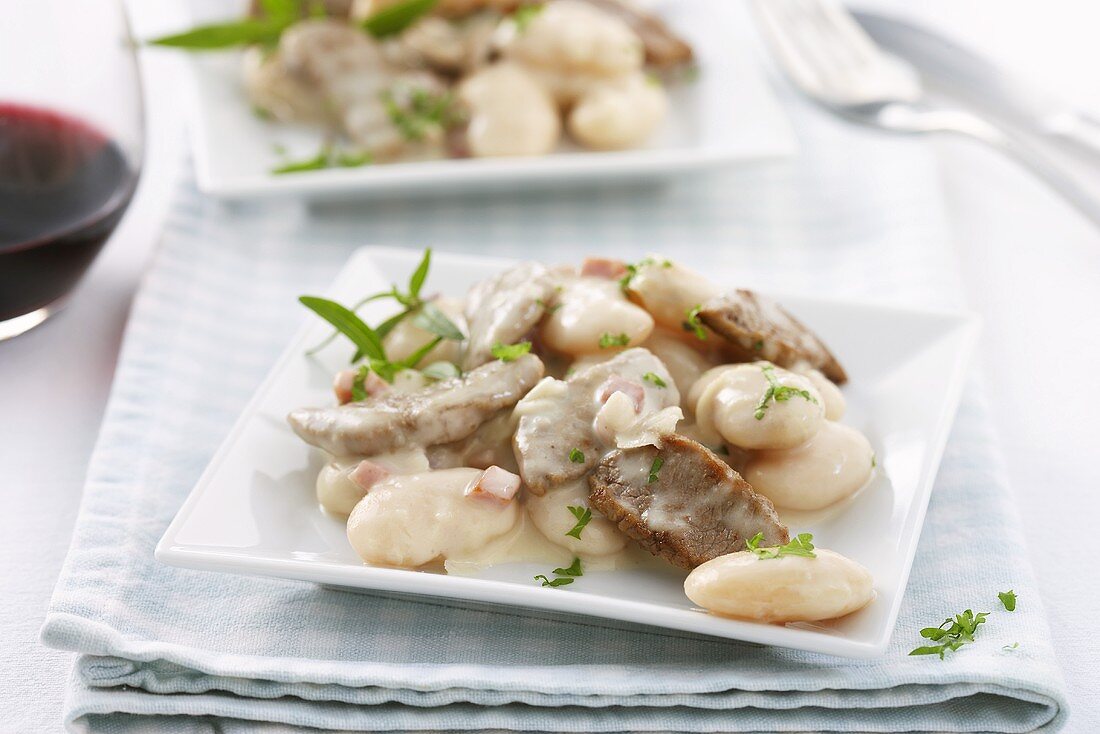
(728, 114)
(254, 511)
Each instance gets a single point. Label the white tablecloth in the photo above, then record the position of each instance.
(1031, 267)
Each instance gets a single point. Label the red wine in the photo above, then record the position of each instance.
(63, 188)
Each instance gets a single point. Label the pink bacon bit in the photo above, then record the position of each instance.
(631, 389)
(494, 484)
(345, 379)
(367, 474)
(602, 267)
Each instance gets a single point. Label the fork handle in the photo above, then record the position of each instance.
(1049, 168)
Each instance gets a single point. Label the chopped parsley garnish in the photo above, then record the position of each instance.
(510, 352)
(802, 545)
(525, 14)
(874, 461)
(1010, 648)
(758, 345)
(1008, 598)
(548, 307)
(655, 379)
(692, 323)
(560, 581)
(951, 635)
(613, 340)
(654, 468)
(574, 569)
(576, 456)
(777, 392)
(421, 111)
(633, 268)
(583, 515)
(563, 576)
(359, 384)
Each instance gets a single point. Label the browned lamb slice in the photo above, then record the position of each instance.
(759, 328)
(687, 508)
(448, 410)
(504, 308)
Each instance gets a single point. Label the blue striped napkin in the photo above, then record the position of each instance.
(167, 649)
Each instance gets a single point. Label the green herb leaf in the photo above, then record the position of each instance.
(573, 570)
(416, 280)
(316, 163)
(562, 581)
(613, 340)
(694, 324)
(576, 456)
(510, 352)
(414, 359)
(1010, 648)
(348, 324)
(244, 32)
(780, 394)
(655, 467)
(802, 545)
(1008, 598)
(422, 111)
(441, 371)
(397, 17)
(655, 379)
(583, 514)
(359, 385)
(281, 9)
(434, 321)
(525, 14)
(952, 634)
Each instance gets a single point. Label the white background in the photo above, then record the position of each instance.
(1031, 265)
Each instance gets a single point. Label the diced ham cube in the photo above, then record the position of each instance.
(494, 484)
(602, 267)
(345, 379)
(341, 385)
(367, 474)
(631, 389)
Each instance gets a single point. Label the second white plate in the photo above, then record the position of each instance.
(727, 115)
(254, 511)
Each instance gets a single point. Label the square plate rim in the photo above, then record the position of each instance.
(502, 594)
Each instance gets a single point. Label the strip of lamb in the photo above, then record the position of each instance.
(448, 410)
(757, 327)
(688, 508)
(505, 308)
(557, 439)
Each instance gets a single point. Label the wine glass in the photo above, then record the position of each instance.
(71, 139)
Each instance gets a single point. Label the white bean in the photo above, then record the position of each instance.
(832, 465)
(785, 589)
(731, 403)
(618, 114)
(575, 37)
(835, 404)
(591, 310)
(407, 337)
(408, 521)
(511, 114)
(551, 516)
(668, 290)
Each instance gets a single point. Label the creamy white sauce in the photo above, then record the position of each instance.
(412, 520)
(785, 589)
(683, 360)
(832, 465)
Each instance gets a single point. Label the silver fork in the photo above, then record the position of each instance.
(832, 60)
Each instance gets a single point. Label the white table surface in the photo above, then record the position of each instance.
(1032, 267)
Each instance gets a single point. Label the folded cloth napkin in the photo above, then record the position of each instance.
(166, 649)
